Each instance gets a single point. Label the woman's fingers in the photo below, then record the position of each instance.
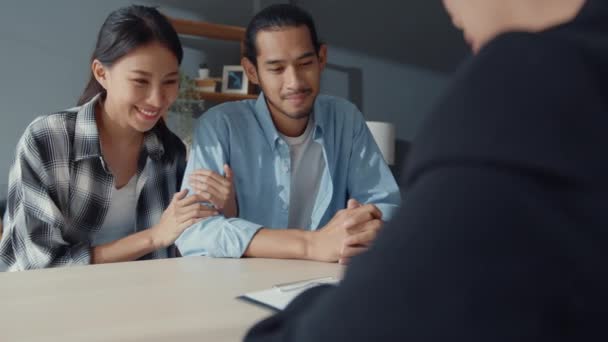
(212, 187)
(194, 198)
(213, 198)
(180, 195)
(185, 225)
(210, 176)
(195, 211)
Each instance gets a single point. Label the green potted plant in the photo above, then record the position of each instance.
(186, 108)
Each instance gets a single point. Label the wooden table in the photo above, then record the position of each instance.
(183, 299)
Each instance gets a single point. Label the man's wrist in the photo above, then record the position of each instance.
(310, 238)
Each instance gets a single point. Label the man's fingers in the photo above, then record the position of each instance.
(352, 204)
(371, 210)
(228, 173)
(362, 214)
(366, 236)
(364, 226)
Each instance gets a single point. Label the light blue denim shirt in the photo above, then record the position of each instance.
(242, 135)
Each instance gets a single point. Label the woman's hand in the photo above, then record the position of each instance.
(182, 213)
(216, 189)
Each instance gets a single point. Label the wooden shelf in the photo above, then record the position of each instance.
(208, 30)
(219, 32)
(224, 97)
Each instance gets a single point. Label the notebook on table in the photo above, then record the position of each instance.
(280, 295)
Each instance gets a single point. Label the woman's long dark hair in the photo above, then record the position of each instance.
(124, 30)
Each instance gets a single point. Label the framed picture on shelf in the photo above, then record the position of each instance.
(234, 80)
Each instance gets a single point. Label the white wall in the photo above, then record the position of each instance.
(384, 90)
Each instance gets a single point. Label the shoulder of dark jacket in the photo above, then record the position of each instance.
(527, 101)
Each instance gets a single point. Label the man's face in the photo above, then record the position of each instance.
(288, 70)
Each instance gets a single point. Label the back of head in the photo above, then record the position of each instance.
(276, 17)
(125, 30)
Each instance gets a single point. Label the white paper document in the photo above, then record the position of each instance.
(280, 295)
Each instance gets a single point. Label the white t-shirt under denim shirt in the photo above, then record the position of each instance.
(307, 166)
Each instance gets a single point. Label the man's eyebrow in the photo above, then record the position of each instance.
(279, 61)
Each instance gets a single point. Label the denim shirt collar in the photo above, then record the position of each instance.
(270, 131)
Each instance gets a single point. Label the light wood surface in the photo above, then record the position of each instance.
(183, 299)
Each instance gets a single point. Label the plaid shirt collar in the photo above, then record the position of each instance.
(86, 142)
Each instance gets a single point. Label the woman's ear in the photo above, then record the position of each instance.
(250, 70)
(99, 72)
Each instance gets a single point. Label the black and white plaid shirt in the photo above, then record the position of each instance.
(60, 189)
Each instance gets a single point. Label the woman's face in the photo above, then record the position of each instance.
(140, 86)
(480, 20)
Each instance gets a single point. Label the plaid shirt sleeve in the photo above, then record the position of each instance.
(33, 233)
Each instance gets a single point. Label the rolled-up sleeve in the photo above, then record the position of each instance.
(216, 236)
(369, 179)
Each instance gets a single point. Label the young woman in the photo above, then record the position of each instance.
(97, 183)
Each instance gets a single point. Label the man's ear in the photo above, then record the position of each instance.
(99, 72)
(323, 56)
(250, 70)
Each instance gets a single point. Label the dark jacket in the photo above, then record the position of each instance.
(503, 234)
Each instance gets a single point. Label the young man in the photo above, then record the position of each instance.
(299, 160)
(506, 212)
